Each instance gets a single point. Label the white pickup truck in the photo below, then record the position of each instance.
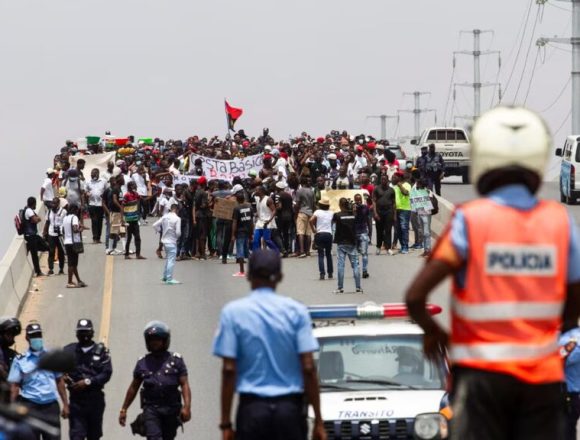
(453, 144)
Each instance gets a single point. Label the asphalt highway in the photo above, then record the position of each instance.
(124, 295)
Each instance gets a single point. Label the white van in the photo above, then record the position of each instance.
(569, 185)
(453, 144)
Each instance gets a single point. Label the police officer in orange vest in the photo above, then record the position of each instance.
(515, 263)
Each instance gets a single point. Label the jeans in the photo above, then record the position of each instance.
(426, 223)
(266, 234)
(417, 228)
(343, 251)
(403, 218)
(362, 242)
(171, 252)
(54, 243)
(323, 241)
(133, 231)
(384, 226)
(96, 213)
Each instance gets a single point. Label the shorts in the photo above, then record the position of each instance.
(71, 256)
(302, 224)
(116, 222)
(242, 247)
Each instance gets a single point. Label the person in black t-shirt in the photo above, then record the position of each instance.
(384, 201)
(345, 238)
(242, 229)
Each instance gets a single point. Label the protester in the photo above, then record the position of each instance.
(30, 228)
(113, 212)
(73, 242)
(266, 218)
(285, 344)
(424, 214)
(95, 189)
(47, 188)
(403, 206)
(242, 230)
(345, 238)
(362, 226)
(321, 224)
(304, 209)
(131, 216)
(385, 214)
(53, 232)
(169, 226)
(515, 264)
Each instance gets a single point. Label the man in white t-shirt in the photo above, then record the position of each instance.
(169, 226)
(52, 232)
(94, 193)
(31, 220)
(47, 189)
(141, 179)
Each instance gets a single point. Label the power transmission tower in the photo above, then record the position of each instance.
(575, 42)
(383, 119)
(418, 111)
(476, 53)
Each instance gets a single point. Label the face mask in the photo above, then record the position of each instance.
(36, 344)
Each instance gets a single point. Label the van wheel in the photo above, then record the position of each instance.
(465, 176)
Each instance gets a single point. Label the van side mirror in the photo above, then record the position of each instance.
(558, 152)
(413, 141)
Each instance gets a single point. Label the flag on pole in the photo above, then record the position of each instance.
(233, 114)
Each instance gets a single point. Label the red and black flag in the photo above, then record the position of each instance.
(233, 114)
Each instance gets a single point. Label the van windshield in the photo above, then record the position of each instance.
(377, 362)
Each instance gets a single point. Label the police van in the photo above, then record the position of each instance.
(569, 185)
(453, 144)
(374, 377)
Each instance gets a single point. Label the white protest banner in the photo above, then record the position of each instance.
(228, 169)
(420, 200)
(98, 161)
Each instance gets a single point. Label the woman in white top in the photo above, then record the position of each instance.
(71, 231)
(321, 224)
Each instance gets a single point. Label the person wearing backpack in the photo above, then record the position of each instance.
(30, 220)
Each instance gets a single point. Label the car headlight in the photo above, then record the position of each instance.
(430, 426)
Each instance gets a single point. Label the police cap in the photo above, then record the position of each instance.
(85, 325)
(33, 328)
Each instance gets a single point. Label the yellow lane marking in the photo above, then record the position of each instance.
(107, 301)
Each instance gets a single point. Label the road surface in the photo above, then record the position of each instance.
(124, 295)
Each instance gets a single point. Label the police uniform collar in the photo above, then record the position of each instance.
(30, 353)
(515, 195)
(261, 290)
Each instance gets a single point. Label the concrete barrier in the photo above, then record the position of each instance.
(15, 274)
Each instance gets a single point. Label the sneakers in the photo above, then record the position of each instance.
(115, 252)
(108, 251)
(172, 282)
(378, 251)
(390, 252)
(405, 251)
(365, 274)
(50, 272)
(359, 290)
(321, 277)
(239, 275)
(417, 246)
(302, 256)
(61, 272)
(329, 276)
(338, 291)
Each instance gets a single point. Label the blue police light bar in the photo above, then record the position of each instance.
(368, 310)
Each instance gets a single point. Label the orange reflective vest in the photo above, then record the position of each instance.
(507, 315)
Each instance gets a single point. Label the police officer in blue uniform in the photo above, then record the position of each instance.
(9, 329)
(162, 374)
(36, 389)
(85, 384)
(570, 352)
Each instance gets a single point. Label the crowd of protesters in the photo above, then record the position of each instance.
(279, 203)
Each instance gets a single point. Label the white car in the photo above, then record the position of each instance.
(374, 377)
(569, 184)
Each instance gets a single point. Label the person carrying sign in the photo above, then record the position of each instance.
(423, 202)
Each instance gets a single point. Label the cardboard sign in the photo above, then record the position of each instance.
(334, 195)
(224, 208)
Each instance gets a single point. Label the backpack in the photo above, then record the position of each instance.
(20, 221)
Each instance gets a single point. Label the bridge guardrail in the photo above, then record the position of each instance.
(439, 221)
(15, 275)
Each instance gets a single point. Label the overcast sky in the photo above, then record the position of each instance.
(162, 68)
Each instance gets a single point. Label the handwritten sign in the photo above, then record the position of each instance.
(224, 208)
(420, 200)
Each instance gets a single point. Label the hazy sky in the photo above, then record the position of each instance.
(162, 68)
